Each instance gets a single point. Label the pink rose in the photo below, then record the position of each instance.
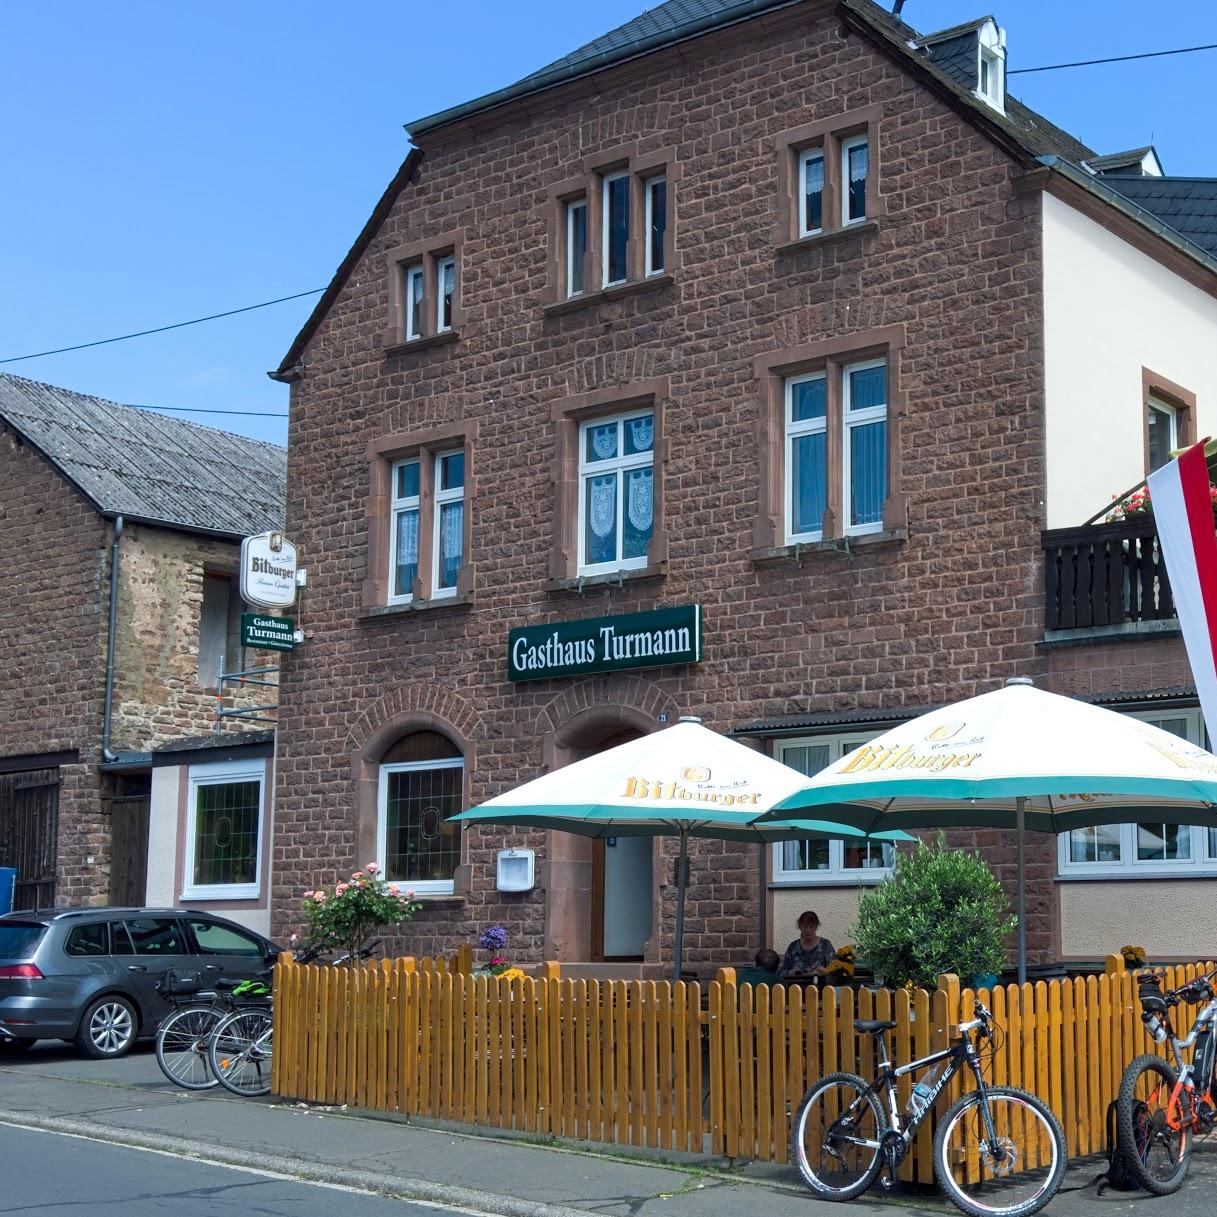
(309, 895)
(371, 868)
(357, 874)
(342, 887)
(410, 894)
(319, 896)
(393, 890)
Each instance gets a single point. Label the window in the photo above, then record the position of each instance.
(85, 940)
(576, 247)
(811, 191)
(149, 936)
(1162, 423)
(414, 302)
(855, 167)
(224, 831)
(853, 860)
(445, 274)
(1125, 850)
(991, 66)
(439, 517)
(864, 445)
(421, 787)
(211, 938)
(616, 492)
(615, 225)
(219, 630)
(449, 520)
(656, 223)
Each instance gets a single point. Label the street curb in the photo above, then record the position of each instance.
(394, 1186)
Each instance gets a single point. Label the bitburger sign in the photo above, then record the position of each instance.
(268, 571)
(605, 644)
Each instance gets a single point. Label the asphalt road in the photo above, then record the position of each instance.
(54, 1176)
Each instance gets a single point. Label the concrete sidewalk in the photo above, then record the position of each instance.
(130, 1102)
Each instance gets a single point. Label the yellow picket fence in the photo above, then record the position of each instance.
(718, 1070)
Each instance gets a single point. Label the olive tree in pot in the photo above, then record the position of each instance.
(943, 910)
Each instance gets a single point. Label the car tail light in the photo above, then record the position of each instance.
(20, 971)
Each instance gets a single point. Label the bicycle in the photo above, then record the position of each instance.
(1161, 1108)
(998, 1150)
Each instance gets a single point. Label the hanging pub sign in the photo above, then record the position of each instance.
(268, 571)
(267, 633)
(605, 644)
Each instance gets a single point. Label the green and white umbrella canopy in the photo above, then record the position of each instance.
(1069, 764)
(685, 781)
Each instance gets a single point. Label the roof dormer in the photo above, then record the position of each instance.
(1136, 162)
(975, 55)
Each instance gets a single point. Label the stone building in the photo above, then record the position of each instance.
(91, 684)
(779, 315)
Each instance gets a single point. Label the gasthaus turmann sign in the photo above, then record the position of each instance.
(268, 571)
(605, 644)
(267, 633)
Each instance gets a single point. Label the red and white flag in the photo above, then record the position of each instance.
(1183, 515)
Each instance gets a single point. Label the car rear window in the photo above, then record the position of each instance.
(18, 940)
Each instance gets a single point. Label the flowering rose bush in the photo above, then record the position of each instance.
(358, 906)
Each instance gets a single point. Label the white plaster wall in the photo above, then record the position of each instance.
(162, 837)
(837, 908)
(1161, 916)
(1109, 311)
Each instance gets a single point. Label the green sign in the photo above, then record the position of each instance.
(267, 633)
(605, 644)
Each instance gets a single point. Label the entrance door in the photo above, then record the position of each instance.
(129, 841)
(29, 826)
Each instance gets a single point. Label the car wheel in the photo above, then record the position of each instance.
(107, 1028)
(12, 1047)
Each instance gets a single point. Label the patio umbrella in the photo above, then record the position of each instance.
(1020, 758)
(685, 781)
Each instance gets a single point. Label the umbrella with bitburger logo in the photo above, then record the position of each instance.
(1018, 757)
(685, 781)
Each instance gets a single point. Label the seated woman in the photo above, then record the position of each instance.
(809, 954)
(764, 971)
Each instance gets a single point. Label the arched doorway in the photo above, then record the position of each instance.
(601, 897)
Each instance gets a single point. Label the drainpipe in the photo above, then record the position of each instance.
(106, 754)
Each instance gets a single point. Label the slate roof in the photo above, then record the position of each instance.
(1187, 204)
(1120, 160)
(147, 467)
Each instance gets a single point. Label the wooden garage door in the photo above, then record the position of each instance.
(29, 823)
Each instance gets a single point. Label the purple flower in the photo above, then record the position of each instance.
(493, 938)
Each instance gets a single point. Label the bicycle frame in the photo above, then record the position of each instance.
(1194, 1070)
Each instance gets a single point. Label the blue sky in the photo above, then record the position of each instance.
(166, 161)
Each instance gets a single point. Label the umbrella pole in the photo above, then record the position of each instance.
(1021, 814)
(682, 868)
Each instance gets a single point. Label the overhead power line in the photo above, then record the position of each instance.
(161, 329)
(1086, 63)
(199, 410)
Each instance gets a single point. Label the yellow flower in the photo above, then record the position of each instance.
(511, 974)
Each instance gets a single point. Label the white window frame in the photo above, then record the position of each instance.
(805, 159)
(222, 774)
(397, 508)
(620, 465)
(571, 207)
(649, 198)
(850, 420)
(1201, 863)
(1172, 418)
(441, 497)
(414, 313)
(441, 265)
(847, 146)
(836, 874)
(991, 54)
(422, 887)
(606, 226)
(809, 426)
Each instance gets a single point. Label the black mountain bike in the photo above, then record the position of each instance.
(998, 1150)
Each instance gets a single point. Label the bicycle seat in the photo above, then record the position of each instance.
(872, 1026)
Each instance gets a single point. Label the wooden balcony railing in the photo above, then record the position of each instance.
(1106, 574)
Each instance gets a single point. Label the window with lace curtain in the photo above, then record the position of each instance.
(616, 492)
(427, 503)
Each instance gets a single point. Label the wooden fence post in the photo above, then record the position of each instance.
(462, 961)
(1113, 965)
(725, 976)
(551, 969)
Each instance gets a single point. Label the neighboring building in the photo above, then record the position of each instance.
(85, 483)
(777, 309)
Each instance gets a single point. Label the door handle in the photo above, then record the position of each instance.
(136, 967)
(211, 967)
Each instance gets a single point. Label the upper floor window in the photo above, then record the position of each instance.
(850, 860)
(424, 291)
(864, 389)
(414, 302)
(615, 227)
(991, 65)
(1127, 850)
(811, 192)
(438, 515)
(219, 629)
(1162, 426)
(576, 247)
(855, 168)
(657, 223)
(616, 492)
(445, 274)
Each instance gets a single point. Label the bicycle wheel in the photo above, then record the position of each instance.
(240, 1052)
(835, 1137)
(181, 1046)
(1155, 1153)
(1016, 1176)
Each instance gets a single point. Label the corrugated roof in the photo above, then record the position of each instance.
(1187, 204)
(146, 466)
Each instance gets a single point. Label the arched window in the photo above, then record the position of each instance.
(421, 780)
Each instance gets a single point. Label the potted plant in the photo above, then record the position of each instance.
(943, 910)
(348, 916)
(494, 940)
